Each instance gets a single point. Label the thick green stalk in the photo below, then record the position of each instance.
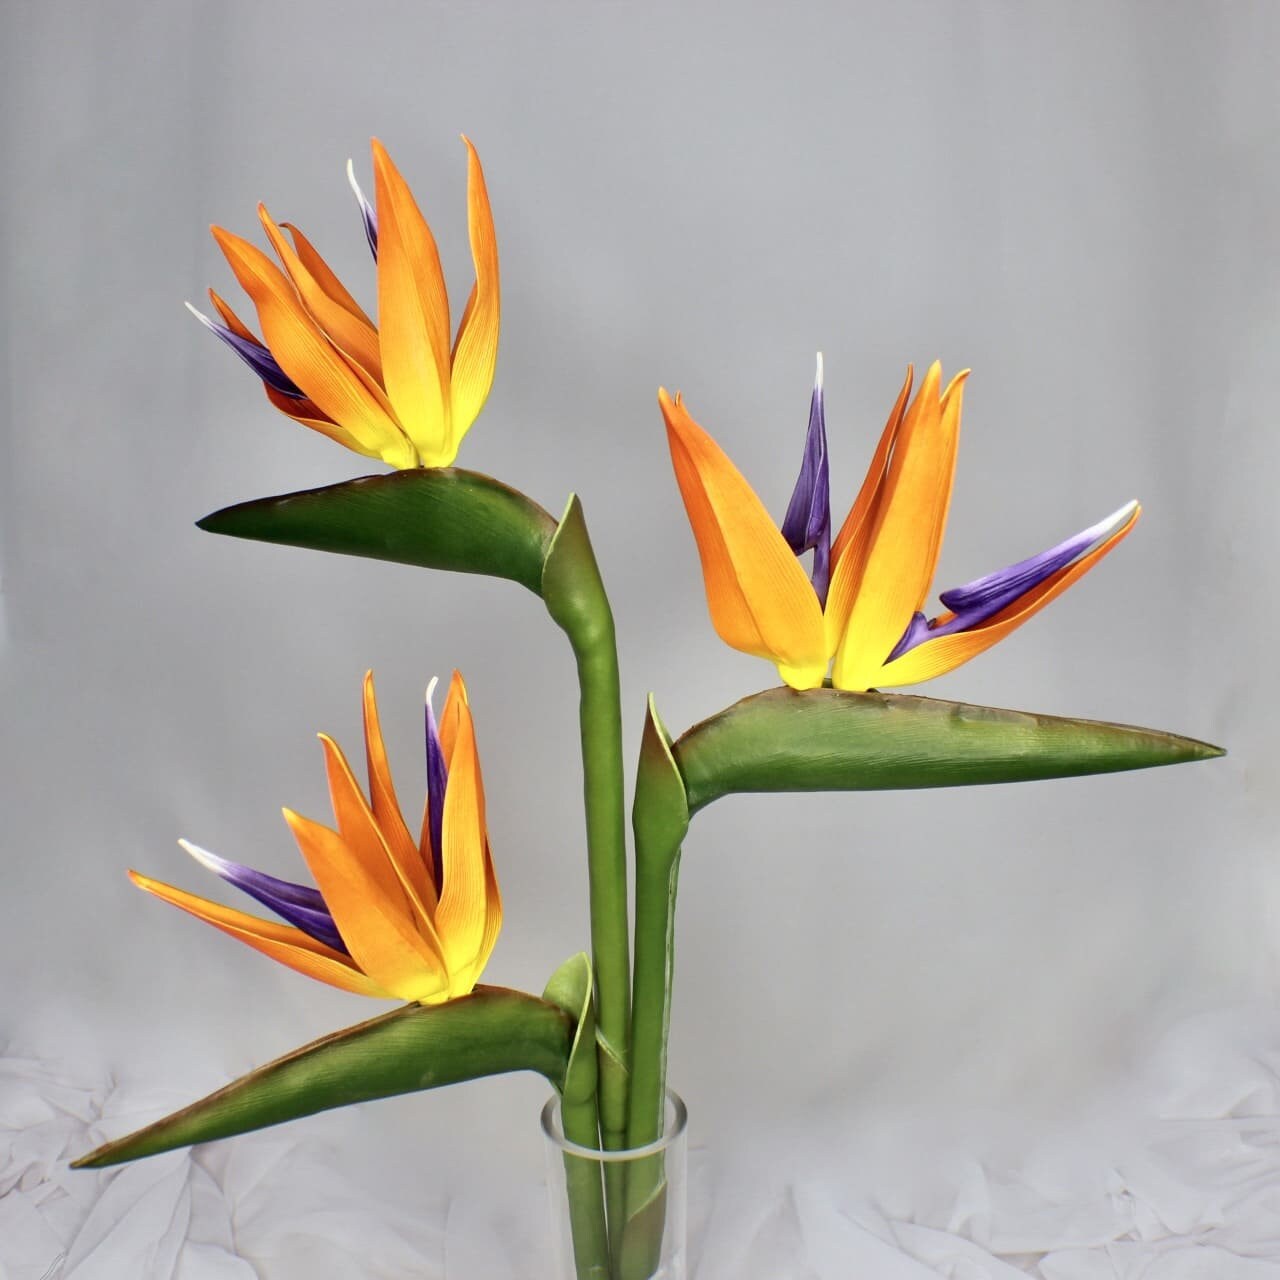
(638, 1245)
(661, 821)
(575, 597)
(571, 987)
(583, 1187)
(651, 1016)
(600, 725)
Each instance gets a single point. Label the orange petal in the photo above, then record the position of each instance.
(936, 657)
(281, 942)
(353, 335)
(386, 808)
(475, 353)
(461, 915)
(374, 924)
(492, 901)
(848, 552)
(456, 700)
(906, 536)
(305, 411)
(948, 449)
(413, 316)
(323, 274)
(760, 599)
(367, 845)
(308, 413)
(492, 914)
(233, 321)
(307, 356)
(465, 979)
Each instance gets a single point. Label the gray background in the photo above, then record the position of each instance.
(1077, 200)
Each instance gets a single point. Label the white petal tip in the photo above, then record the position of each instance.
(817, 377)
(1109, 526)
(355, 186)
(210, 861)
(1124, 515)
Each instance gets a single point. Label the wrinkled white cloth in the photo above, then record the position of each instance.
(265, 1206)
(1192, 1192)
(1195, 1197)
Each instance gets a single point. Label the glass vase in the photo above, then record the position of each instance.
(619, 1215)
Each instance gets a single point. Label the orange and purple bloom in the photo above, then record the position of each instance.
(860, 611)
(390, 916)
(406, 390)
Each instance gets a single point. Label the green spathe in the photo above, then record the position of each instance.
(438, 518)
(490, 1032)
(829, 740)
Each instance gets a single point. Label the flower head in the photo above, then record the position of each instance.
(404, 391)
(862, 605)
(391, 916)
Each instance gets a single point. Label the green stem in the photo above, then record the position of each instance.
(585, 1194)
(575, 597)
(656, 880)
(572, 989)
(601, 729)
(638, 1246)
(661, 821)
(600, 721)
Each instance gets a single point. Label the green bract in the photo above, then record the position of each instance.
(490, 1032)
(444, 518)
(826, 740)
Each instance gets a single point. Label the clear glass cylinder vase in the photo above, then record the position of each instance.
(619, 1215)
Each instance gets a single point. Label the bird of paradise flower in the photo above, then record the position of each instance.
(859, 612)
(399, 391)
(392, 917)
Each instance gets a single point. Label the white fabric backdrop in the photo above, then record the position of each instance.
(1192, 1193)
(1078, 201)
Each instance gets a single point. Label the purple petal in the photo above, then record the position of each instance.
(916, 633)
(366, 212)
(254, 354)
(983, 598)
(437, 780)
(298, 904)
(807, 524)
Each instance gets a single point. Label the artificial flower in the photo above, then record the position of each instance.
(399, 391)
(861, 605)
(390, 917)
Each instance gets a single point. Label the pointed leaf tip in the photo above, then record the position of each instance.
(571, 988)
(660, 810)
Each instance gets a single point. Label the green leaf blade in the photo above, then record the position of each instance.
(829, 740)
(438, 518)
(490, 1032)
